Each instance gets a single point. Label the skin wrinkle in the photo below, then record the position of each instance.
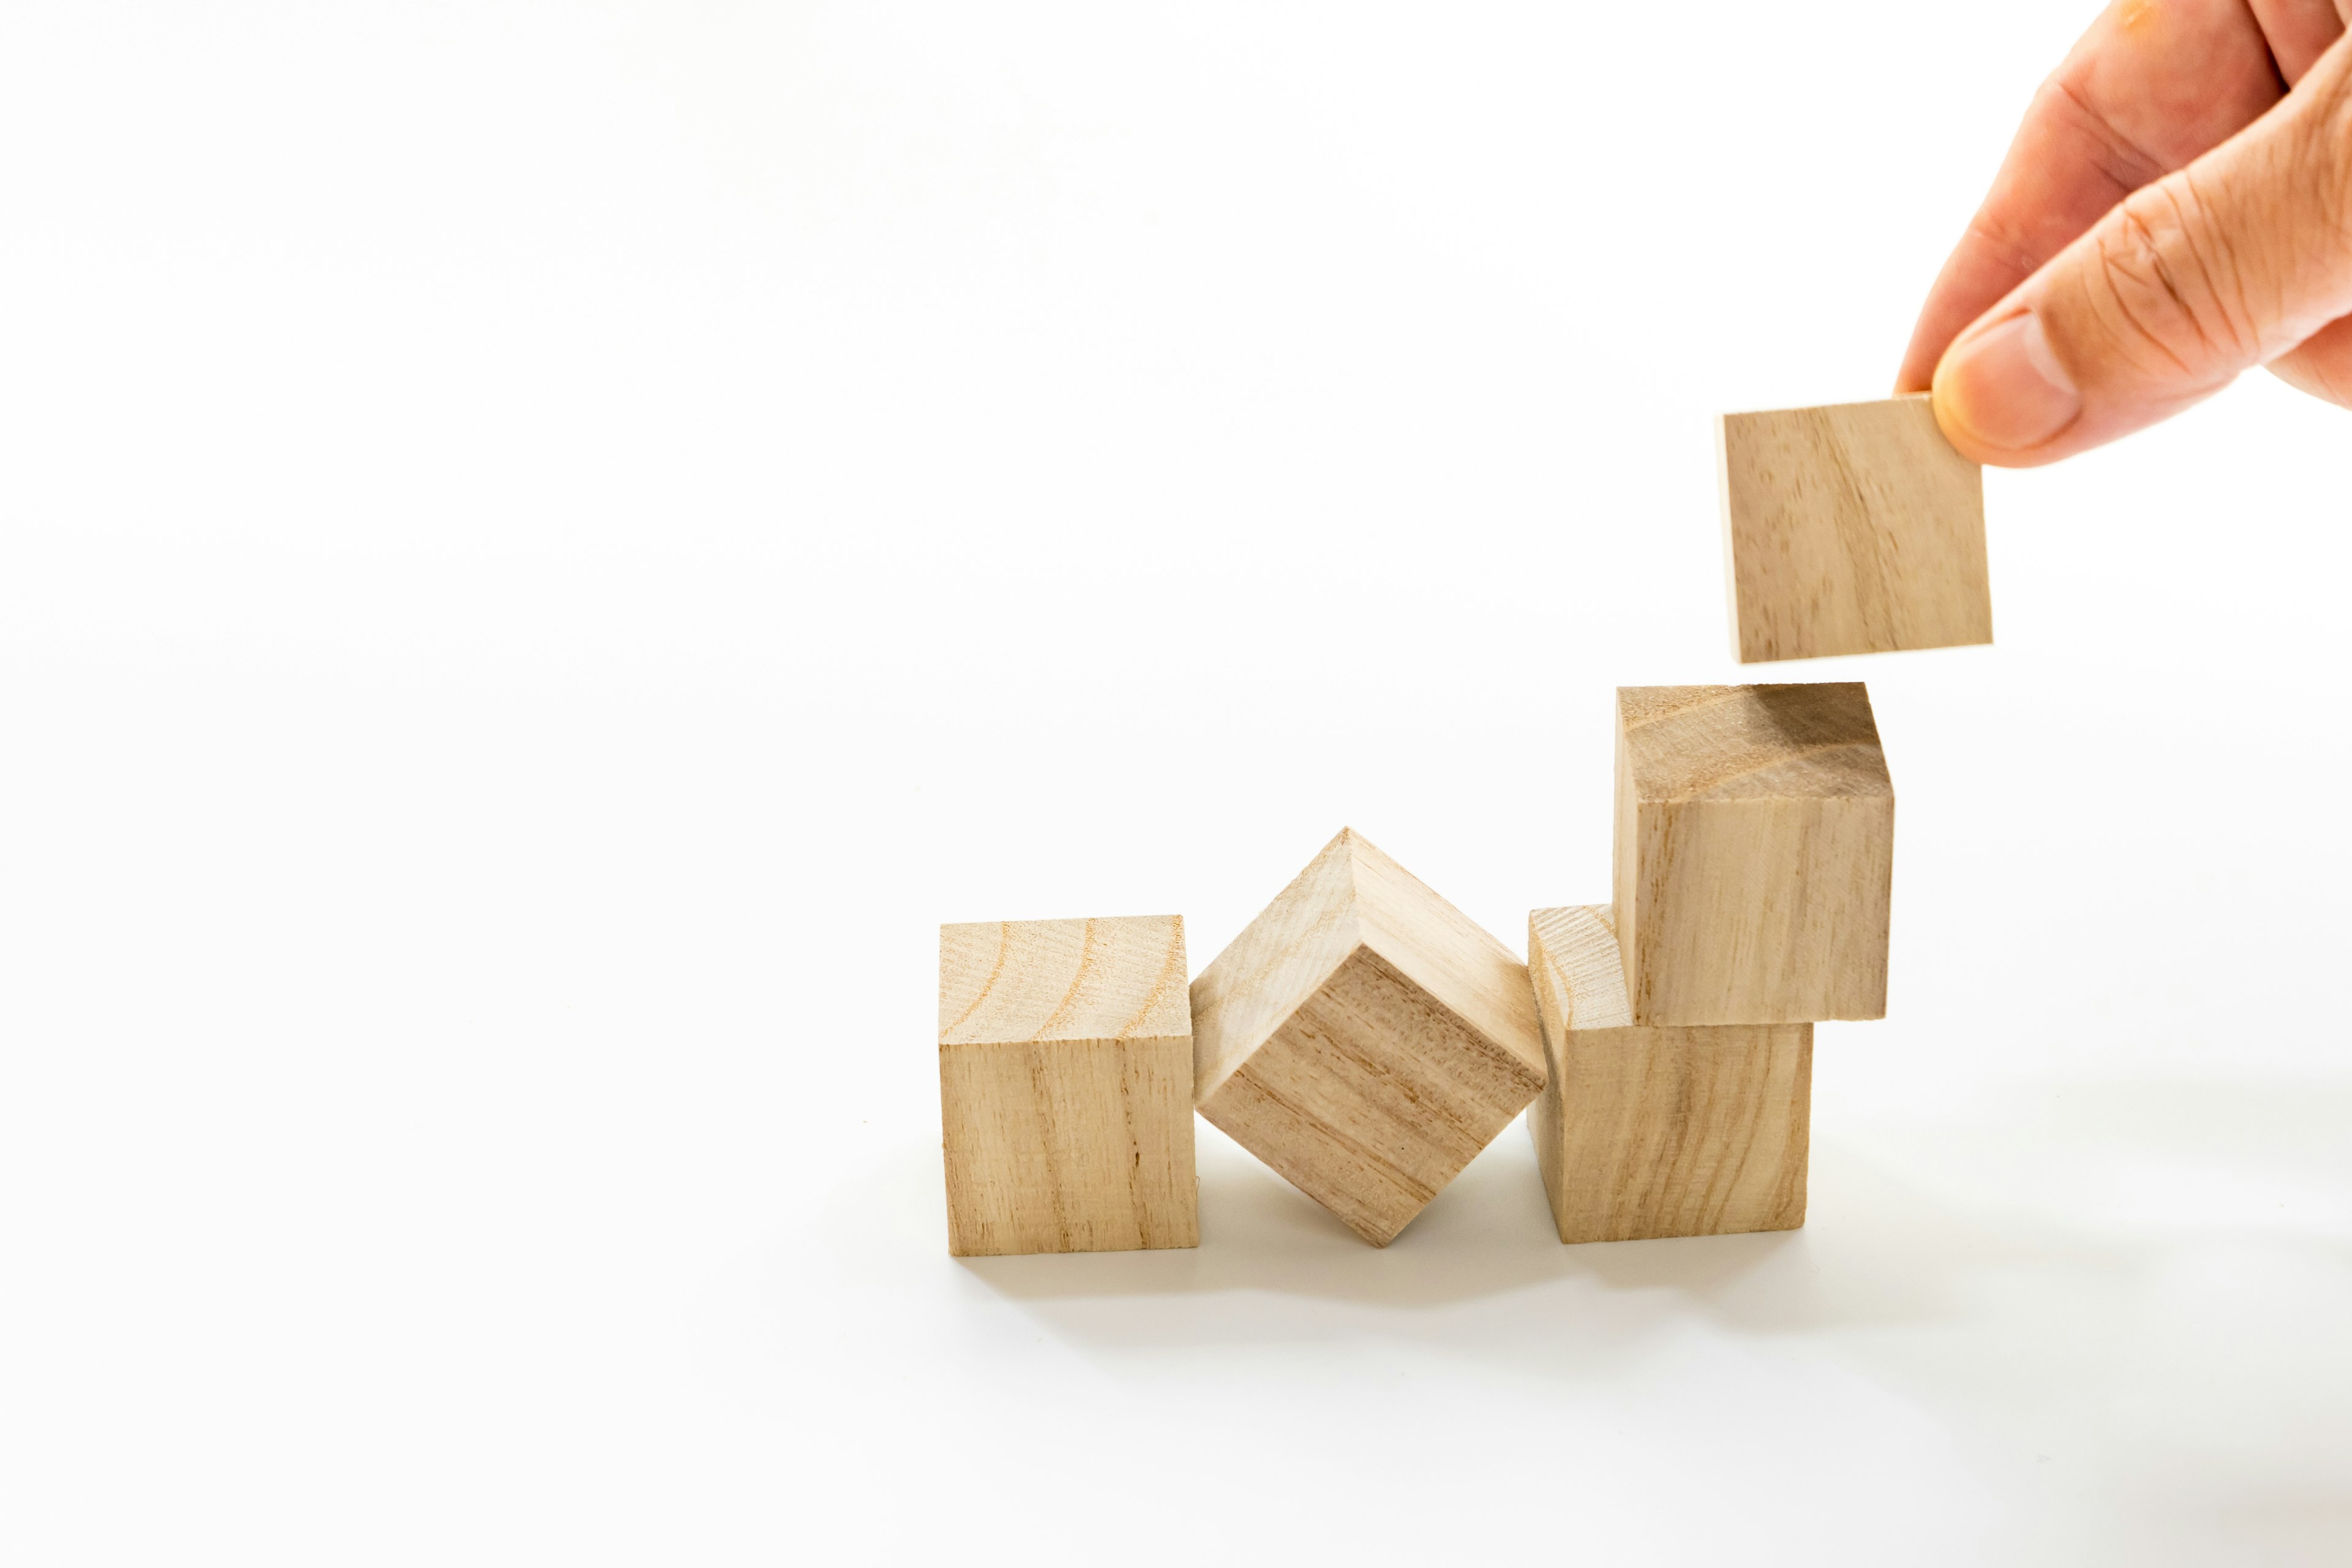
(2218, 236)
(2274, 20)
(2139, 167)
(2326, 380)
(2009, 250)
(2318, 152)
(2132, 231)
(2185, 215)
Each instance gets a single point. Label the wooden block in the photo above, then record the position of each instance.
(1667, 1131)
(1851, 529)
(1065, 1078)
(1754, 853)
(1365, 1039)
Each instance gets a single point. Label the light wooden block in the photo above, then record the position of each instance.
(1754, 858)
(1646, 1132)
(1365, 1039)
(1851, 529)
(1066, 1086)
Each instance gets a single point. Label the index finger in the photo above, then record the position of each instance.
(2151, 85)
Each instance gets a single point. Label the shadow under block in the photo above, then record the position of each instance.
(1365, 1039)
(1066, 1086)
(1851, 529)
(1754, 854)
(1667, 1131)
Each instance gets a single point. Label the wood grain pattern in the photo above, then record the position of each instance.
(1365, 1039)
(1851, 529)
(1754, 854)
(1646, 1132)
(1066, 1086)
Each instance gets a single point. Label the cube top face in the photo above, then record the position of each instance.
(1026, 981)
(1352, 896)
(1275, 965)
(1364, 1038)
(1579, 978)
(1853, 528)
(1751, 742)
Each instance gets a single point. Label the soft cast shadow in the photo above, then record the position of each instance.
(1487, 1242)
(1483, 1260)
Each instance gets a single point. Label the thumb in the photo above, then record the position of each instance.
(2215, 268)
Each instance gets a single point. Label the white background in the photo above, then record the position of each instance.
(543, 549)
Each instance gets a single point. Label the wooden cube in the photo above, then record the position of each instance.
(1667, 1131)
(1851, 529)
(1754, 854)
(1365, 1039)
(1065, 1079)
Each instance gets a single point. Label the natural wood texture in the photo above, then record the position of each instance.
(1669, 1132)
(1851, 529)
(1365, 1039)
(1066, 1086)
(1754, 853)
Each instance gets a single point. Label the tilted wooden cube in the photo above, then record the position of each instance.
(1365, 1039)
(1754, 855)
(1851, 529)
(1066, 1086)
(1699, 1131)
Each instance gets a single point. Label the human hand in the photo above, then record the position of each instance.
(2177, 208)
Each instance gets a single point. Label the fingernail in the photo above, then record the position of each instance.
(2005, 388)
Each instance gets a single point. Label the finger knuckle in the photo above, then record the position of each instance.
(2168, 285)
(2318, 155)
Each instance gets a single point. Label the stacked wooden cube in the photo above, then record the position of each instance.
(1366, 1039)
(1754, 866)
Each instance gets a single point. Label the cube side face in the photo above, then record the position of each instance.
(1625, 863)
(1852, 529)
(1548, 1124)
(1277, 962)
(1372, 1096)
(1447, 953)
(1646, 1133)
(1760, 912)
(1068, 1145)
(1108, 978)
